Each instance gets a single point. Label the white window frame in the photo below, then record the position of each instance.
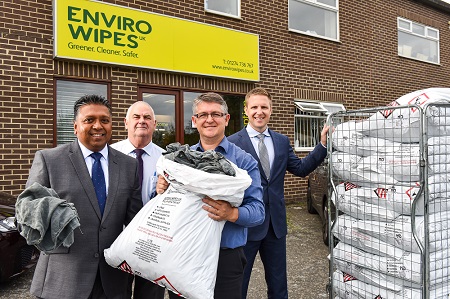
(66, 96)
(318, 4)
(224, 13)
(405, 50)
(314, 115)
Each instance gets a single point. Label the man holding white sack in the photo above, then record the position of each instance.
(211, 117)
(140, 123)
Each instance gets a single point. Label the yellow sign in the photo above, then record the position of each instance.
(107, 33)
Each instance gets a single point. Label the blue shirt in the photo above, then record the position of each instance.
(251, 211)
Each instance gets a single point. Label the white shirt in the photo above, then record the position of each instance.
(90, 161)
(252, 133)
(152, 152)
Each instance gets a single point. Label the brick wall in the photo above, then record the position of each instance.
(362, 70)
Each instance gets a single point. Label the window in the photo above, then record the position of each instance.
(67, 93)
(418, 41)
(310, 118)
(314, 17)
(173, 112)
(231, 8)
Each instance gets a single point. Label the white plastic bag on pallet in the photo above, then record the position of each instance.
(376, 267)
(348, 287)
(439, 154)
(345, 167)
(402, 124)
(395, 198)
(172, 241)
(347, 137)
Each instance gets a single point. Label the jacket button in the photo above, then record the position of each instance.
(96, 255)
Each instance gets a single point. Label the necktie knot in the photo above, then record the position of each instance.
(261, 136)
(139, 152)
(97, 156)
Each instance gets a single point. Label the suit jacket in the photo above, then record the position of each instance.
(71, 272)
(273, 190)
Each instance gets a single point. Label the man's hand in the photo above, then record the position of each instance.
(161, 185)
(323, 135)
(220, 210)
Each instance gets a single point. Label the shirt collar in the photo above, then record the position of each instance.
(129, 147)
(221, 148)
(253, 133)
(87, 152)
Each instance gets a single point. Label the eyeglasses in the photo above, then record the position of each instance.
(214, 115)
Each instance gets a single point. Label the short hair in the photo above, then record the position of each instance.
(91, 99)
(137, 103)
(210, 97)
(258, 91)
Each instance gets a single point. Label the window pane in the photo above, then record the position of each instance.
(67, 93)
(235, 105)
(191, 136)
(417, 47)
(230, 7)
(307, 130)
(404, 24)
(328, 2)
(432, 33)
(312, 19)
(164, 107)
(418, 29)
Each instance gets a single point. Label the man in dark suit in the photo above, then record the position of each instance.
(81, 270)
(276, 157)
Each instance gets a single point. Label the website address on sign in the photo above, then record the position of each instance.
(233, 69)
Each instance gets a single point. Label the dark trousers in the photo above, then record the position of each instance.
(229, 274)
(273, 256)
(145, 289)
(97, 289)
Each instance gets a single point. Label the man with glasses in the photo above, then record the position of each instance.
(211, 117)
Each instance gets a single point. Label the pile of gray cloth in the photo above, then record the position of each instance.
(209, 161)
(45, 220)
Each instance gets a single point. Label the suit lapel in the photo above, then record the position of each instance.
(247, 145)
(76, 157)
(114, 174)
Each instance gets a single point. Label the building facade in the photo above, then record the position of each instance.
(314, 56)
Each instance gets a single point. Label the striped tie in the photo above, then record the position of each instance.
(263, 155)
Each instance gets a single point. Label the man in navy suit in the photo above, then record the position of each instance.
(269, 238)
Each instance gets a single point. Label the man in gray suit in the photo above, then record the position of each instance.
(81, 270)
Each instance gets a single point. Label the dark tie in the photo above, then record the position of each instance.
(263, 155)
(98, 178)
(139, 152)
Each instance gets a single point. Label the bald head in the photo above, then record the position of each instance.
(140, 123)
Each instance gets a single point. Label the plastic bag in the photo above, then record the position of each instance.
(172, 241)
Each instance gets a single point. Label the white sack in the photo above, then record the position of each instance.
(439, 185)
(376, 237)
(439, 154)
(347, 138)
(348, 287)
(345, 167)
(403, 165)
(408, 268)
(360, 209)
(398, 199)
(402, 124)
(172, 241)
